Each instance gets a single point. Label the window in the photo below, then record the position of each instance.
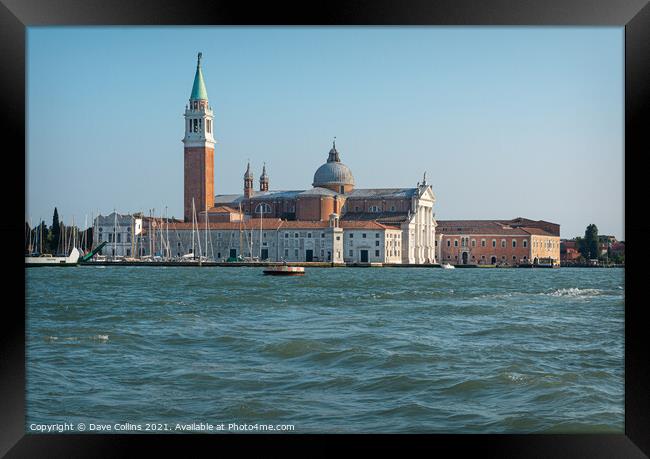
(322, 234)
(514, 243)
(473, 242)
(295, 234)
(119, 237)
(503, 243)
(286, 253)
(351, 253)
(455, 242)
(377, 243)
(494, 242)
(338, 238)
(341, 189)
(377, 235)
(482, 242)
(296, 252)
(448, 243)
(525, 244)
(263, 207)
(363, 235)
(308, 235)
(376, 253)
(100, 237)
(286, 235)
(351, 235)
(392, 208)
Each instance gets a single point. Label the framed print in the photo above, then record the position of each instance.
(378, 225)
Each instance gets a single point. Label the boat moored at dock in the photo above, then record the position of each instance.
(49, 260)
(284, 270)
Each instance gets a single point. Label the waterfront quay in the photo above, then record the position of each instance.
(266, 264)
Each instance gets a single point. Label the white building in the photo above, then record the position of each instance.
(121, 232)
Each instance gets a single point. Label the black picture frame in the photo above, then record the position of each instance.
(16, 15)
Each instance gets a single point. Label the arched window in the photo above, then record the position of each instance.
(263, 207)
(514, 243)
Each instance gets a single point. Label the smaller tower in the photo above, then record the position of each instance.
(248, 182)
(264, 179)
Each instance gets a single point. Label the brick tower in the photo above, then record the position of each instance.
(264, 179)
(199, 149)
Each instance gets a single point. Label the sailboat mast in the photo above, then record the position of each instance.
(240, 232)
(206, 231)
(261, 212)
(115, 233)
(169, 249)
(193, 215)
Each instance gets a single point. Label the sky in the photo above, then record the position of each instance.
(506, 121)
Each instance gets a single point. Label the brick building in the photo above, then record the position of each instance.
(332, 192)
(569, 251)
(498, 242)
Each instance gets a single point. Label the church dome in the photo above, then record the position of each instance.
(333, 172)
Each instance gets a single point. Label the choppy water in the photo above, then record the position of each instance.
(339, 350)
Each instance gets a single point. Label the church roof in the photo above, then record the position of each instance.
(383, 193)
(382, 217)
(198, 89)
(333, 172)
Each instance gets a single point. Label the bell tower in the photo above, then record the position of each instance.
(199, 149)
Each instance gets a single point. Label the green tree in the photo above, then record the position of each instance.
(55, 232)
(588, 246)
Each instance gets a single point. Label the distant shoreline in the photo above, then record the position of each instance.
(304, 264)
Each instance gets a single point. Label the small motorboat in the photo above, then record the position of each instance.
(284, 270)
(447, 266)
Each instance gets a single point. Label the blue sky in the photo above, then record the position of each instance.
(506, 121)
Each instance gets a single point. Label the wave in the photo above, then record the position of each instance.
(575, 292)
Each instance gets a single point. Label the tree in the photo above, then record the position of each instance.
(55, 231)
(589, 245)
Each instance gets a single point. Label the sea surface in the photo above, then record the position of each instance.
(340, 350)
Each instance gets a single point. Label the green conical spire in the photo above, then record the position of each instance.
(198, 90)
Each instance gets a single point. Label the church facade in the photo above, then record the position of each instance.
(332, 201)
(331, 221)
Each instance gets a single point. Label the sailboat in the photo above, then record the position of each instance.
(49, 260)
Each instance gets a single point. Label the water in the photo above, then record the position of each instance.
(338, 350)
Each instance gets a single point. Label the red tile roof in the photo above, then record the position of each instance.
(223, 209)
